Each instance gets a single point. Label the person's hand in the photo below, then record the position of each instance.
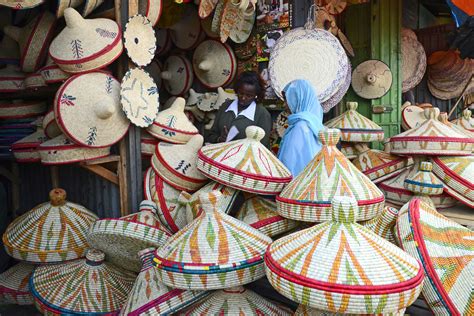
(224, 134)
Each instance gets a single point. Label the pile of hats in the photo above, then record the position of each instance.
(413, 60)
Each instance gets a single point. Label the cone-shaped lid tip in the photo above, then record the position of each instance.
(431, 113)
(467, 114)
(426, 166)
(73, 18)
(195, 143)
(148, 205)
(255, 132)
(179, 104)
(443, 118)
(329, 136)
(57, 197)
(352, 105)
(209, 200)
(344, 209)
(94, 257)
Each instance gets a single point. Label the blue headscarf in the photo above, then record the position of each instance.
(300, 142)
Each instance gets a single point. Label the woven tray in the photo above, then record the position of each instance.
(19, 109)
(139, 40)
(14, 285)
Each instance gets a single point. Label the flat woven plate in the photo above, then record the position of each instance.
(139, 96)
(413, 63)
(302, 53)
(139, 40)
(372, 79)
(340, 93)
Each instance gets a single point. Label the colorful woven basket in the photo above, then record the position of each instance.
(244, 164)
(86, 44)
(151, 297)
(51, 232)
(466, 121)
(177, 75)
(172, 125)
(443, 118)
(50, 127)
(122, 238)
(87, 286)
(349, 150)
(139, 40)
(25, 150)
(355, 127)
(446, 252)
(424, 183)
(384, 223)
(304, 310)
(148, 144)
(308, 197)
(176, 164)
(215, 251)
(261, 214)
(11, 79)
(14, 285)
(340, 266)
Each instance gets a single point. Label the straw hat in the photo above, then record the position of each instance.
(86, 44)
(18, 109)
(413, 63)
(372, 79)
(25, 150)
(355, 127)
(261, 214)
(88, 111)
(139, 40)
(187, 32)
(384, 223)
(91, 5)
(304, 310)
(216, 251)
(237, 21)
(245, 164)
(412, 116)
(148, 144)
(150, 296)
(11, 79)
(33, 39)
(152, 9)
(431, 138)
(306, 266)
(177, 75)
(205, 102)
(214, 64)
(51, 232)
(9, 51)
(163, 42)
(466, 121)
(237, 301)
(50, 127)
(86, 286)
(154, 70)
(300, 53)
(340, 93)
(34, 81)
(456, 174)
(349, 150)
(14, 285)
(51, 73)
(21, 4)
(307, 197)
(62, 5)
(447, 257)
(206, 7)
(206, 25)
(122, 238)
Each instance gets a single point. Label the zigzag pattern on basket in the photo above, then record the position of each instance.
(14, 287)
(384, 223)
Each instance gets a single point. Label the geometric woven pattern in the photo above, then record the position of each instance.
(384, 223)
(14, 287)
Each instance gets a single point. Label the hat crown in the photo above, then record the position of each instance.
(73, 18)
(344, 209)
(195, 143)
(330, 136)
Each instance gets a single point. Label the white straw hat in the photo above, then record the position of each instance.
(152, 9)
(139, 40)
(11, 79)
(371, 79)
(50, 127)
(177, 75)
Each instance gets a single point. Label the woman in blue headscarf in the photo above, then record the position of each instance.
(300, 142)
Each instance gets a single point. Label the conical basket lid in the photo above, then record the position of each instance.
(308, 197)
(237, 301)
(446, 250)
(122, 238)
(384, 223)
(372, 79)
(466, 121)
(177, 75)
(51, 232)
(424, 181)
(82, 286)
(340, 266)
(244, 164)
(355, 127)
(304, 310)
(14, 287)
(150, 296)
(215, 251)
(172, 125)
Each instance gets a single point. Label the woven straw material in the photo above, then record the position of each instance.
(34, 81)
(86, 286)
(206, 7)
(92, 119)
(301, 53)
(172, 125)
(412, 117)
(139, 40)
(424, 182)
(431, 138)
(33, 39)
(384, 223)
(244, 164)
(163, 41)
(261, 214)
(151, 297)
(340, 93)
(64, 4)
(446, 252)
(86, 44)
(206, 102)
(214, 64)
(457, 175)
(122, 238)
(14, 285)
(21, 4)
(466, 121)
(371, 79)
(443, 118)
(152, 9)
(51, 232)
(154, 70)
(176, 164)
(9, 51)
(51, 128)
(206, 25)
(237, 23)
(90, 6)
(349, 150)
(236, 301)
(308, 311)
(355, 127)
(139, 97)
(11, 79)
(186, 33)
(177, 75)
(53, 74)
(20, 109)
(24, 150)
(307, 197)
(215, 251)
(148, 144)
(413, 63)
(340, 266)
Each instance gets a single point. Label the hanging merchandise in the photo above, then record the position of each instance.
(216, 19)
(21, 4)
(11, 79)
(237, 20)
(14, 287)
(445, 250)
(205, 102)
(62, 5)
(336, 6)
(90, 6)
(18, 109)
(187, 33)
(54, 231)
(50, 127)
(466, 121)
(85, 286)
(326, 21)
(413, 63)
(151, 9)
(206, 7)
(215, 251)
(154, 70)
(304, 310)
(383, 224)
(34, 81)
(9, 51)
(52, 73)
(372, 79)
(413, 116)
(86, 44)
(206, 25)
(177, 75)
(26, 149)
(139, 40)
(163, 42)
(147, 144)
(341, 92)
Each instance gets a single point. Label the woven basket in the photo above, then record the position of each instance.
(261, 214)
(148, 144)
(172, 125)
(86, 44)
(340, 93)
(355, 127)
(304, 310)
(176, 164)
(21, 4)
(308, 197)
(372, 79)
(14, 285)
(237, 21)
(349, 150)
(33, 39)
(11, 79)
(412, 117)
(215, 251)
(51, 232)
(34, 81)
(446, 252)
(64, 4)
(18, 109)
(413, 63)
(51, 73)
(177, 75)
(244, 164)
(424, 183)
(122, 238)
(9, 51)
(187, 32)
(163, 41)
(443, 118)
(152, 9)
(87, 286)
(340, 266)
(383, 223)
(25, 150)
(139, 40)
(466, 121)
(50, 127)
(206, 8)
(90, 6)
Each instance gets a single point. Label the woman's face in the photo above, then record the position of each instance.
(246, 94)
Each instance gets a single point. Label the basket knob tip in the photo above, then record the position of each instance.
(179, 104)
(330, 136)
(344, 209)
(371, 78)
(104, 110)
(352, 105)
(196, 142)
(94, 256)
(210, 200)
(426, 166)
(467, 114)
(148, 205)
(205, 65)
(57, 197)
(431, 113)
(255, 132)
